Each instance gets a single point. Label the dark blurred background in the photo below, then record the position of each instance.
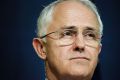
(18, 23)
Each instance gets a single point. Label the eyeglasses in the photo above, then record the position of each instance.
(66, 37)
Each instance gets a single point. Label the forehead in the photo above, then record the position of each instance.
(72, 13)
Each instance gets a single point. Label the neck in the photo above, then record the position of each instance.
(50, 75)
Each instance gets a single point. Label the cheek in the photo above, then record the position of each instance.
(61, 53)
(94, 53)
(57, 58)
(56, 53)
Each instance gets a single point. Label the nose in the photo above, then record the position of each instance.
(79, 44)
(80, 41)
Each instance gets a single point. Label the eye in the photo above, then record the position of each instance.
(67, 34)
(90, 35)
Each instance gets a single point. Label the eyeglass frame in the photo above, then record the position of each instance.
(69, 28)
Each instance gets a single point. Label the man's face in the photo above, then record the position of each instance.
(76, 59)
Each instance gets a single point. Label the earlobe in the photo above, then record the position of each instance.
(39, 48)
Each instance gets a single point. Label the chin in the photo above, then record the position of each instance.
(78, 75)
(80, 71)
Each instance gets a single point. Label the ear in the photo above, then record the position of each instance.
(39, 47)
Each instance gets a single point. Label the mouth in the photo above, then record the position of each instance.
(79, 58)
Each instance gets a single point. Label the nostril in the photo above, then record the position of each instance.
(79, 49)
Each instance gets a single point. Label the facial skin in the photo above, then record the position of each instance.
(78, 60)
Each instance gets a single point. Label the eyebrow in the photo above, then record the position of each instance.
(74, 27)
(68, 27)
(90, 28)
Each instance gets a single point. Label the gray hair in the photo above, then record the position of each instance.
(46, 16)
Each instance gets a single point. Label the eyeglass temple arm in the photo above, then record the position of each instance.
(46, 35)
